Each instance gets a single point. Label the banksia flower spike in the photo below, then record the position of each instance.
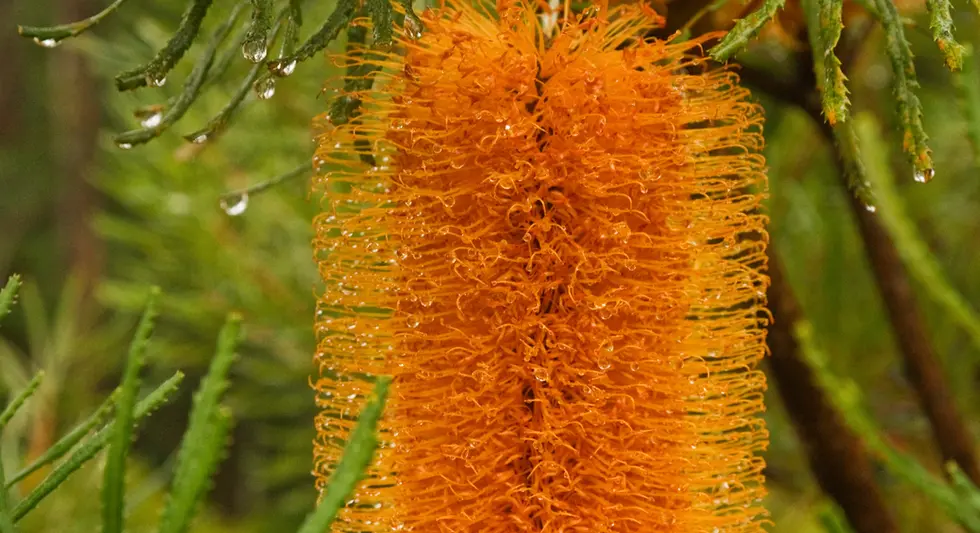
(555, 248)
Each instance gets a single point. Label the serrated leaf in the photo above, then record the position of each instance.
(357, 456)
(824, 24)
(91, 447)
(114, 479)
(205, 437)
(745, 29)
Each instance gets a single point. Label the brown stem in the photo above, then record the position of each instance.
(922, 368)
(836, 454)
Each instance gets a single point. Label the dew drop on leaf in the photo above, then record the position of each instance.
(235, 205)
(265, 88)
(254, 50)
(47, 43)
(152, 121)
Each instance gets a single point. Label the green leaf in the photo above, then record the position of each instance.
(11, 409)
(849, 151)
(67, 442)
(256, 44)
(904, 84)
(357, 457)
(339, 19)
(381, 20)
(967, 82)
(911, 246)
(8, 294)
(155, 72)
(51, 36)
(91, 447)
(847, 398)
(745, 29)
(6, 520)
(941, 23)
(114, 481)
(207, 432)
(824, 24)
(189, 93)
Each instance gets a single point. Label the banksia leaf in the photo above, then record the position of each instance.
(904, 85)
(67, 442)
(8, 295)
(206, 438)
(93, 446)
(915, 253)
(114, 483)
(824, 24)
(358, 452)
(558, 257)
(51, 36)
(941, 23)
(155, 72)
(745, 29)
(967, 82)
(6, 520)
(18, 401)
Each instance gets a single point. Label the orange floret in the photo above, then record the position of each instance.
(558, 255)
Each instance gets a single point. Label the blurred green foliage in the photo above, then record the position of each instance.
(158, 220)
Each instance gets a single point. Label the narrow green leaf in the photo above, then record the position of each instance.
(11, 409)
(233, 197)
(339, 19)
(67, 442)
(91, 447)
(256, 44)
(189, 93)
(824, 24)
(8, 294)
(114, 480)
(51, 36)
(205, 437)
(904, 84)
(967, 82)
(6, 519)
(219, 123)
(848, 149)
(846, 396)
(911, 246)
(381, 21)
(745, 29)
(941, 23)
(361, 68)
(155, 72)
(358, 454)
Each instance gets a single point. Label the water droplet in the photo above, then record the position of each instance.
(47, 43)
(152, 121)
(925, 175)
(235, 205)
(604, 365)
(254, 50)
(156, 82)
(265, 88)
(412, 322)
(283, 68)
(870, 208)
(200, 139)
(413, 26)
(124, 146)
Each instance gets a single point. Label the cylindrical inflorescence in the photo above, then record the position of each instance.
(554, 244)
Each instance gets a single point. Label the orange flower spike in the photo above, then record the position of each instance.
(559, 258)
